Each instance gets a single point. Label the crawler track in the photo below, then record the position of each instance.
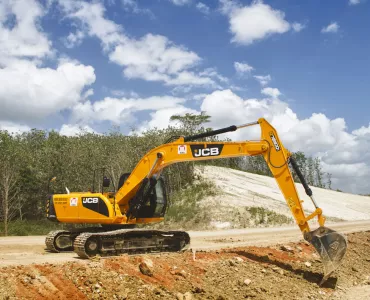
(116, 242)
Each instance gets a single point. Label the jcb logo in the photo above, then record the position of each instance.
(90, 200)
(204, 151)
(274, 141)
(207, 152)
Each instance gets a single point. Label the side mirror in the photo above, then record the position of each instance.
(106, 182)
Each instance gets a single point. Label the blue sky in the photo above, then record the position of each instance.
(316, 72)
(303, 65)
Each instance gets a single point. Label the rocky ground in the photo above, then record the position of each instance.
(289, 271)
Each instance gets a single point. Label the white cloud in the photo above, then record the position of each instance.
(331, 28)
(272, 92)
(161, 118)
(228, 6)
(13, 128)
(204, 9)
(93, 22)
(181, 89)
(297, 27)
(219, 102)
(263, 80)
(354, 2)
(318, 133)
(132, 6)
(155, 53)
(120, 110)
(190, 78)
(254, 22)
(345, 155)
(199, 97)
(24, 39)
(237, 88)
(180, 2)
(29, 93)
(74, 39)
(152, 57)
(242, 68)
(75, 130)
(363, 131)
(87, 94)
(123, 93)
(243, 111)
(212, 72)
(155, 58)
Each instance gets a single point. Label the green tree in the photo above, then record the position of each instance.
(318, 173)
(329, 180)
(29, 160)
(11, 161)
(191, 123)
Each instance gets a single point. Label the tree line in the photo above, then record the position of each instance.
(29, 160)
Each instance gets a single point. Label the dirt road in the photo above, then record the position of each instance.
(30, 249)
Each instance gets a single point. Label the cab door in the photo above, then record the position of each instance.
(161, 199)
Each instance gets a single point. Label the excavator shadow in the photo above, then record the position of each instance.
(310, 276)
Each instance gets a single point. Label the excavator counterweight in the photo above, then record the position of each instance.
(140, 198)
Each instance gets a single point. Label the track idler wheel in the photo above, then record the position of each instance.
(92, 246)
(59, 241)
(63, 242)
(331, 247)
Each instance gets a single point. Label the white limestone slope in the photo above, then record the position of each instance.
(246, 189)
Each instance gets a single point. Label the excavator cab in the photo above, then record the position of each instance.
(155, 206)
(151, 202)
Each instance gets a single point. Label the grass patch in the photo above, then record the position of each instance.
(262, 216)
(38, 227)
(251, 216)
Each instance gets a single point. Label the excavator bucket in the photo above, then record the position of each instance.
(331, 247)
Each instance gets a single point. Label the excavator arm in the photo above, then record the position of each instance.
(330, 245)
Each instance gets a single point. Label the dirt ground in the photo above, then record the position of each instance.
(235, 273)
(25, 250)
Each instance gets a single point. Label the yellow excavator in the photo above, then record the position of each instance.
(140, 198)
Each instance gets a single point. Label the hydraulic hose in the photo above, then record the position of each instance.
(209, 133)
(300, 176)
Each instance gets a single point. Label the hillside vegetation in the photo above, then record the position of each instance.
(29, 160)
